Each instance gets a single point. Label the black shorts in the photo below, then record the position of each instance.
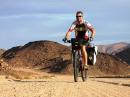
(83, 42)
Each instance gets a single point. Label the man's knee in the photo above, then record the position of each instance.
(83, 49)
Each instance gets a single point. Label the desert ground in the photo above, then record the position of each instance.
(64, 86)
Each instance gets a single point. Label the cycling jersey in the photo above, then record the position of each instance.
(81, 30)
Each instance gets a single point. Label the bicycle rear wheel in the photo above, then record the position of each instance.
(83, 73)
(76, 65)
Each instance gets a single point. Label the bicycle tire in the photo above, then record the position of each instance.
(75, 65)
(83, 73)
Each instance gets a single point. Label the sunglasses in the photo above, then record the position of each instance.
(79, 16)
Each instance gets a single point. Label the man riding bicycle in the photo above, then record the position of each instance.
(81, 27)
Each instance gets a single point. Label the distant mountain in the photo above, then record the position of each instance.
(50, 56)
(113, 48)
(124, 55)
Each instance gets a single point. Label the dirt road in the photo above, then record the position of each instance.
(63, 86)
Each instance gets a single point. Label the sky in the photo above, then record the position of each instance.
(23, 21)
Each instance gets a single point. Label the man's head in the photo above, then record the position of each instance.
(79, 16)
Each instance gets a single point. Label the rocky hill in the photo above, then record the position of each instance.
(109, 64)
(38, 54)
(1, 51)
(124, 55)
(48, 56)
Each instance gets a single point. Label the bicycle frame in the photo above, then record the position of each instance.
(77, 60)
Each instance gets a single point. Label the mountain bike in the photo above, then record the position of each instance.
(79, 70)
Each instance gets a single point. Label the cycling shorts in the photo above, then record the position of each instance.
(83, 41)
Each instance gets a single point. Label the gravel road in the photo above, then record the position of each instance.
(63, 86)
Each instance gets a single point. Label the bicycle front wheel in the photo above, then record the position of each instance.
(76, 65)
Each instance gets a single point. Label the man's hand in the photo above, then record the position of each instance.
(64, 39)
(91, 38)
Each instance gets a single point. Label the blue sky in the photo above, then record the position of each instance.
(22, 21)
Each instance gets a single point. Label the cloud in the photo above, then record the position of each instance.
(33, 6)
(29, 27)
(28, 20)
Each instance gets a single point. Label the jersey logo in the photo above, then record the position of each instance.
(80, 27)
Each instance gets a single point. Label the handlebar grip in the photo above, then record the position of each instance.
(66, 41)
(69, 41)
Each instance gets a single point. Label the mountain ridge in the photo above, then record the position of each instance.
(113, 48)
(49, 56)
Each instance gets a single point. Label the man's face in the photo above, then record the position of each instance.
(79, 17)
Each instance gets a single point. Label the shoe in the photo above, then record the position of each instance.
(86, 66)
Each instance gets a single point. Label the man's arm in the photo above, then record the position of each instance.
(71, 29)
(68, 35)
(93, 32)
(91, 28)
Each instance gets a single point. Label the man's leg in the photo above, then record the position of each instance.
(84, 54)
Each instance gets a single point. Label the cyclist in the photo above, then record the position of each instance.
(81, 27)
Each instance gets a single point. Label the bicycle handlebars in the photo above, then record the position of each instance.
(69, 41)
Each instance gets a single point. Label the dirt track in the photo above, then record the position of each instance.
(63, 86)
